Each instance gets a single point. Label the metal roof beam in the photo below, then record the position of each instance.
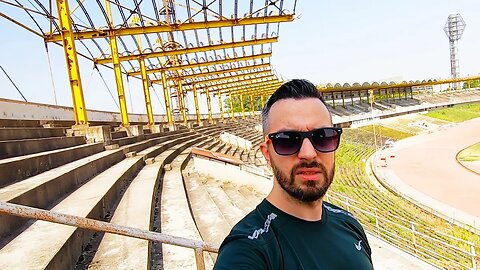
(205, 64)
(251, 88)
(240, 77)
(245, 85)
(227, 72)
(153, 29)
(239, 82)
(230, 45)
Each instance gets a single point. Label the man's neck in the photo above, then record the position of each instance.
(309, 211)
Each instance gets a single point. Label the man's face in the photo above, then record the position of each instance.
(307, 174)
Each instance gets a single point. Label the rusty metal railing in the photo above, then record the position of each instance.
(101, 226)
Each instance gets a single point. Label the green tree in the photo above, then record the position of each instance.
(471, 84)
(237, 107)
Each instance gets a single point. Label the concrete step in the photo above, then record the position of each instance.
(176, 218)
(30, 133)
(118, 134)
(18, 168)
(134, 210)
(45, 245)
(44, 189)
(218, 148)
(136, 139)
(251, 194)
(214, 188)
(95, 199)
(238, 199)
(210, 221)
(15, 148)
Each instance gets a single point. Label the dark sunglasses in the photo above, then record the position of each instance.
(289, 142)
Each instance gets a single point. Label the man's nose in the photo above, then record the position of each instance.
(307, 151)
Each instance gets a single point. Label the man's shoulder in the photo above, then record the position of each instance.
(253, 229)
(338, 213)
(343, 218)
(247, 245)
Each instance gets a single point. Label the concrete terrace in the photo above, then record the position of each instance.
(146, 181)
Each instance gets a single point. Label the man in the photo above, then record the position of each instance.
(293, 228)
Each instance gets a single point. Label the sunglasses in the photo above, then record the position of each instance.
(288, 143)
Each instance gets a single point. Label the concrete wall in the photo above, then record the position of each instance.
(20, 110)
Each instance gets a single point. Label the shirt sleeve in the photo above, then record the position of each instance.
(240, 255)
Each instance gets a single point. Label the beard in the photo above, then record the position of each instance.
(311, 190)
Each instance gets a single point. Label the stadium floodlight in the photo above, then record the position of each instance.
(454, 28)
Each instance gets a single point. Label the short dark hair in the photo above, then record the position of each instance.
(296, 89)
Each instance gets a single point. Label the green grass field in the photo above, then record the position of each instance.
(471, 153)
(457, 113)
(387, 132)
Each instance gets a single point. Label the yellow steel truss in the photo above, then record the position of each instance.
(225, 72)
(261, 41)
(248, 85)
(177, 65)
(166, 97)
(197, 109)
(232, 113)
(67, 38)
(152, 29)
(243, 81)
(119, 81)
(227, 79)
(220, 105)
(209, 105)
(146, 92)
(203, 64)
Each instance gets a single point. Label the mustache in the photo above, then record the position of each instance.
(305, 164)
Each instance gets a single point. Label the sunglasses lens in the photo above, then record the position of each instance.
(326, 139)
(286, 143)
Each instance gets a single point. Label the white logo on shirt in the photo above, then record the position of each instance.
(265, 228)
(359, 245)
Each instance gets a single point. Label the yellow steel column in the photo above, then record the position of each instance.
(232, 111)
(197, 109)
(220, 105)
(182, 102)
(146, 92)
(68, 42)
(116, 68)
(166, 96)
(252, 103)
(118, 80)
(263, 100)
(241, 103)
(209, 105)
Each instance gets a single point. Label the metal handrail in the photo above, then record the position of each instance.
(101, 226)
(349, 200)
(416, 247)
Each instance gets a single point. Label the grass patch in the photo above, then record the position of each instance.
(387, 132)
(457, 113)
(471, 153)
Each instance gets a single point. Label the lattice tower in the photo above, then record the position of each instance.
(454, 28)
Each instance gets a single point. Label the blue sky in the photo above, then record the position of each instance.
(330, 41)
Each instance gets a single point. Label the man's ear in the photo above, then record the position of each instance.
(266, 154)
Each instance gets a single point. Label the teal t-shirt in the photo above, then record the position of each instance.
(268, 238)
